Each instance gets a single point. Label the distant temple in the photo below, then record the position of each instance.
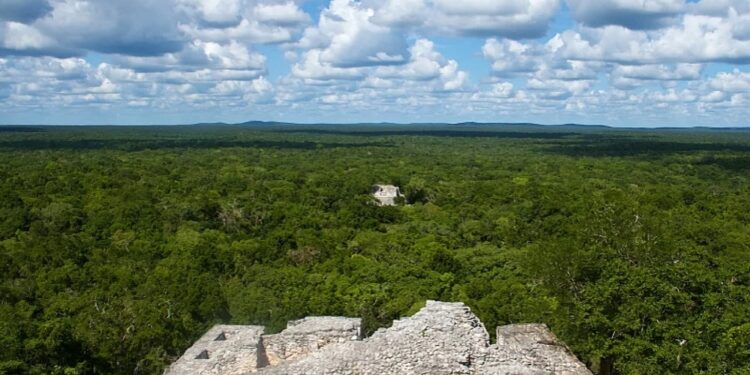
(386, 194)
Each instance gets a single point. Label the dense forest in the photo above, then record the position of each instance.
(119, 246)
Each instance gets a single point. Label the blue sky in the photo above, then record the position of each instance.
(616, 62)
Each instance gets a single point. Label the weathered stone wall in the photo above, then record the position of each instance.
(223, 350)
(304, 336)
(234, 350)
(530, 349)
(442, 338)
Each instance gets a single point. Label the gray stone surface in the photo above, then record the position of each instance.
(224, 349)
(304, 336)
(442, 338)
(530, 349)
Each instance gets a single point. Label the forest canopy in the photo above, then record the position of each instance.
(119, 246)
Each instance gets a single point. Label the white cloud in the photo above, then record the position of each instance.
(200, 55)
(133, 27)
(248, 21)
(714, 97)
(346, 37)
(678, 72)
(509, 57)
(633, 14)
(232, 56)
(284, 14)
(516, 19)
(695, 39)
(255, 91)
(548, 76)
(452, 78)
(719, 8)
(672, 96)
(557, 88)
(61, 83)
(645, 59)
(732, 82)
(426, 64)
(217, 12)
(142, 27)
(502, 90)
(311, 67)
(25, 39)
(426, 68)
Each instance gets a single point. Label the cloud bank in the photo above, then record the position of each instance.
(625, 62)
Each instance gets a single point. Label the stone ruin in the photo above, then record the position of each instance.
(223, 349)
(236, 350)
(302, 337)
(442, 338)
(386, 194)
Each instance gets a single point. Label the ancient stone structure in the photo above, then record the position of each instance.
(304, 336)
(530, 349)
(442, 338)
(386, 194)
(222, 350)
(236, 350)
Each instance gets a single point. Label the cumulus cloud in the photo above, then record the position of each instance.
(661, 60)
(141, 27)
(424, 65)
(284, 14)
(131, 27)
(49, 81)
(249, 21)
(345, 36)
(215, 13)
(630, 77)
(515, 19)
(633, 14)
(696, 37)
(731, 82)
(719, 8)
(313, 67)
(547, 74)
(200, 55)
(158, 55)
(61, 83)
(509, 57)
(68, 69)
(23, 10)
(256, 91)
(678, 72)
(21, 39)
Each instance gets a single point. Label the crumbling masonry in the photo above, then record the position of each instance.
(442, 338)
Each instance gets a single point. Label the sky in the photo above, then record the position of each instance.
(641, 63)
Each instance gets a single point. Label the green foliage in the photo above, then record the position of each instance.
(120, 246)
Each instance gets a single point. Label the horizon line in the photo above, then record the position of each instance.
(386, 123)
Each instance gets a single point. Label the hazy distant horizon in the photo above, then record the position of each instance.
(394, 124)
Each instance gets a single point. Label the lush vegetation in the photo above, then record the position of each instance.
(120, 246)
